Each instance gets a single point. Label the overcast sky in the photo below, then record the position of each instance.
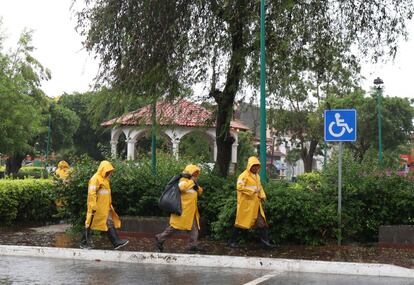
(59, 48)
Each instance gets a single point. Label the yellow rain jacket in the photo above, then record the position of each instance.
(62, 173)
(189, 208)
(100, 199)
(248, 202)
(63, 170)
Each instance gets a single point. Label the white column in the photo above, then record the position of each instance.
(215, 152)
(234, 152)
(131, 149)
(175, 149)
(113, 148)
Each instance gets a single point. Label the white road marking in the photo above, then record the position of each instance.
(262, 279)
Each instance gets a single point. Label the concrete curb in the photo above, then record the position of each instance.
(274, 264)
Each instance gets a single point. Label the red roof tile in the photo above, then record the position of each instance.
(181, 113)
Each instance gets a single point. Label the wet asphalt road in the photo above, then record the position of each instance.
(32, 270)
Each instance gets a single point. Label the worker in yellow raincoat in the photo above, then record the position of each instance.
(63, 174)
(190, 217)
(100, 213)
(63, 170)
(250, 213)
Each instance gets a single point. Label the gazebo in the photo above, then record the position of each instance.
(177, 119)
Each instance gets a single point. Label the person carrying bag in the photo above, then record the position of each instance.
(189, 218)
(170, 200)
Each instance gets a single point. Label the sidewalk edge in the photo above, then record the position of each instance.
(274, 264)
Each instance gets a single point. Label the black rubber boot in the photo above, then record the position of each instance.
(233, 239)
(115, 240)
(264, 238)
(86, 241)
(159, 244)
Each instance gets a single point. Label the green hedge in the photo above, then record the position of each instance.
(295, 215)
(306, 212)
(26, 172)
(26, 201)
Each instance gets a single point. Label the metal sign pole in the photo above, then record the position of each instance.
(340, 126)
(340, 194)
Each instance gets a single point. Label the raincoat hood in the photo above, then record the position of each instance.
(104, 168)
(63, 164)
(191, 168)
(252, 161)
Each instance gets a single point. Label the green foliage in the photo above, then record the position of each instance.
(298, 215)
(197, 146)
(216, 43)
(222, 227)
(64, 125)
(28, 172)
(295, 215)
(310, 181)
(32, 169)
(88, 136)
(26, 201)
(245, 150)
(306, 212)
(372, 196)
(20, 96)
(396, 114)
(216, 192)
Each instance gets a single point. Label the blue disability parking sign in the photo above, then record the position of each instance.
(340, 125)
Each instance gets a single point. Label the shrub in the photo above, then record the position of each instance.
(26, 172)
(306, 212)
(371, 197)
(294, 215)
(26, 200)
(216, 192)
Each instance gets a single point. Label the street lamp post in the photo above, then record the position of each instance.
(262, 92)
(154, 138)
(52, 106)
(378, 82)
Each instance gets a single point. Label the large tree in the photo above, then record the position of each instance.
(88, 136)
(156, 48)
(64, 124)
(22, 101)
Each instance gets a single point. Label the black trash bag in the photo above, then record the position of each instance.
(170, 200)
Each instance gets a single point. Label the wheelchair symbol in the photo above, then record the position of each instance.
(339, 123)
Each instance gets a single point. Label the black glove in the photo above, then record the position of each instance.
(195, 187)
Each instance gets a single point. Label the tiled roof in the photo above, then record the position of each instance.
(181, 113)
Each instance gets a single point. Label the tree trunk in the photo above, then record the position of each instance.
(225, 98)
(14, 163)
(307, 156)
(224, 139)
